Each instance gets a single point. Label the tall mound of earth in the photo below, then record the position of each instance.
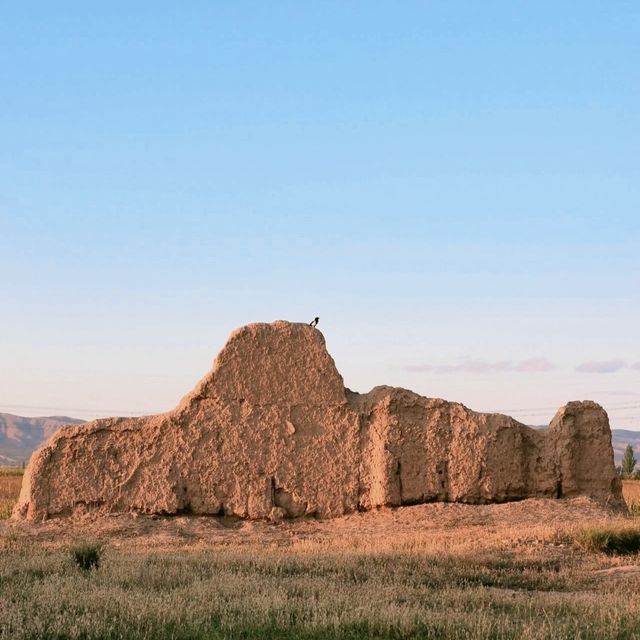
(272, 432)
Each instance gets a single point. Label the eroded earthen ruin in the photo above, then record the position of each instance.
(272, 432)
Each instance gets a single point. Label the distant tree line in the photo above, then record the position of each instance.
(627, 468)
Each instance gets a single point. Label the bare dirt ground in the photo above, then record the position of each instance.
(442, 526)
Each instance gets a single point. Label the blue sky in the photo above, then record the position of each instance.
(453, 188)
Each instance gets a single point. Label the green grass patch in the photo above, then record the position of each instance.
(618, 540)
(87, 556)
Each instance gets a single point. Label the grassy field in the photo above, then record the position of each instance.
(631, 492)
(10, 480)
(253, 593)
(487, 572)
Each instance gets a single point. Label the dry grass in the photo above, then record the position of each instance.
(11, 471)
(618, 539)
(430, 571)
(10, 481)
(631, 493)
(292, 594)
(368, 589)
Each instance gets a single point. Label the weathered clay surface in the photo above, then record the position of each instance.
(271, 432)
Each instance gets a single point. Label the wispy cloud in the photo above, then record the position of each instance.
(618, 392)
(532, 365)
(601, 366)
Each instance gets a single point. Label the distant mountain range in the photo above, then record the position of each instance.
(20, 437)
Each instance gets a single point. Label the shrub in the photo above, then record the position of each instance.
(611, 540)
(87, 556)
(628, 463)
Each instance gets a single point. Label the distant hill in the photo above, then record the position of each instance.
(621, 438)
(20, 436)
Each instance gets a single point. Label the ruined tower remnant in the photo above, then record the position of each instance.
(272, 432)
